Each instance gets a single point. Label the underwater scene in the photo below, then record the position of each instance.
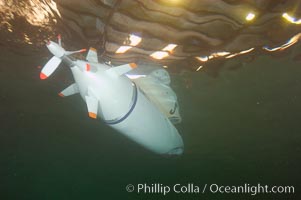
(156, 99)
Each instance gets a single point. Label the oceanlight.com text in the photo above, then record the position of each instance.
(191, 188)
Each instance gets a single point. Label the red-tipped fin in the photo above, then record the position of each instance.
(43, 76)
(133, 65)
(92, 115)
(92, 104)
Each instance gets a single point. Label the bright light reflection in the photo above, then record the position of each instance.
(159, 55)
(240, 53)
(169, 47)
(291, 19)
(289, 43)
(133, 76)
(123, 49)
(213, 55)
(220, 54)
(200, 67)
(202, 58)
(27, 39)
(250, 16)
(135, 40)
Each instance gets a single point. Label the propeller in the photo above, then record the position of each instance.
(50, 67)
(58, 53)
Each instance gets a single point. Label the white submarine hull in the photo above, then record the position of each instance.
(131, 113)
(151, 129)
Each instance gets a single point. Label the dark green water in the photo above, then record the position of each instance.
(242, 127)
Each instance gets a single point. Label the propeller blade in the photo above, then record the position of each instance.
(50, 67)
(72, 52)
(59, 39)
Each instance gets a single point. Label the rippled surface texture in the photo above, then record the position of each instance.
(187, 34)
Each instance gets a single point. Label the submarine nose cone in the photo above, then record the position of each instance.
(175, 152)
